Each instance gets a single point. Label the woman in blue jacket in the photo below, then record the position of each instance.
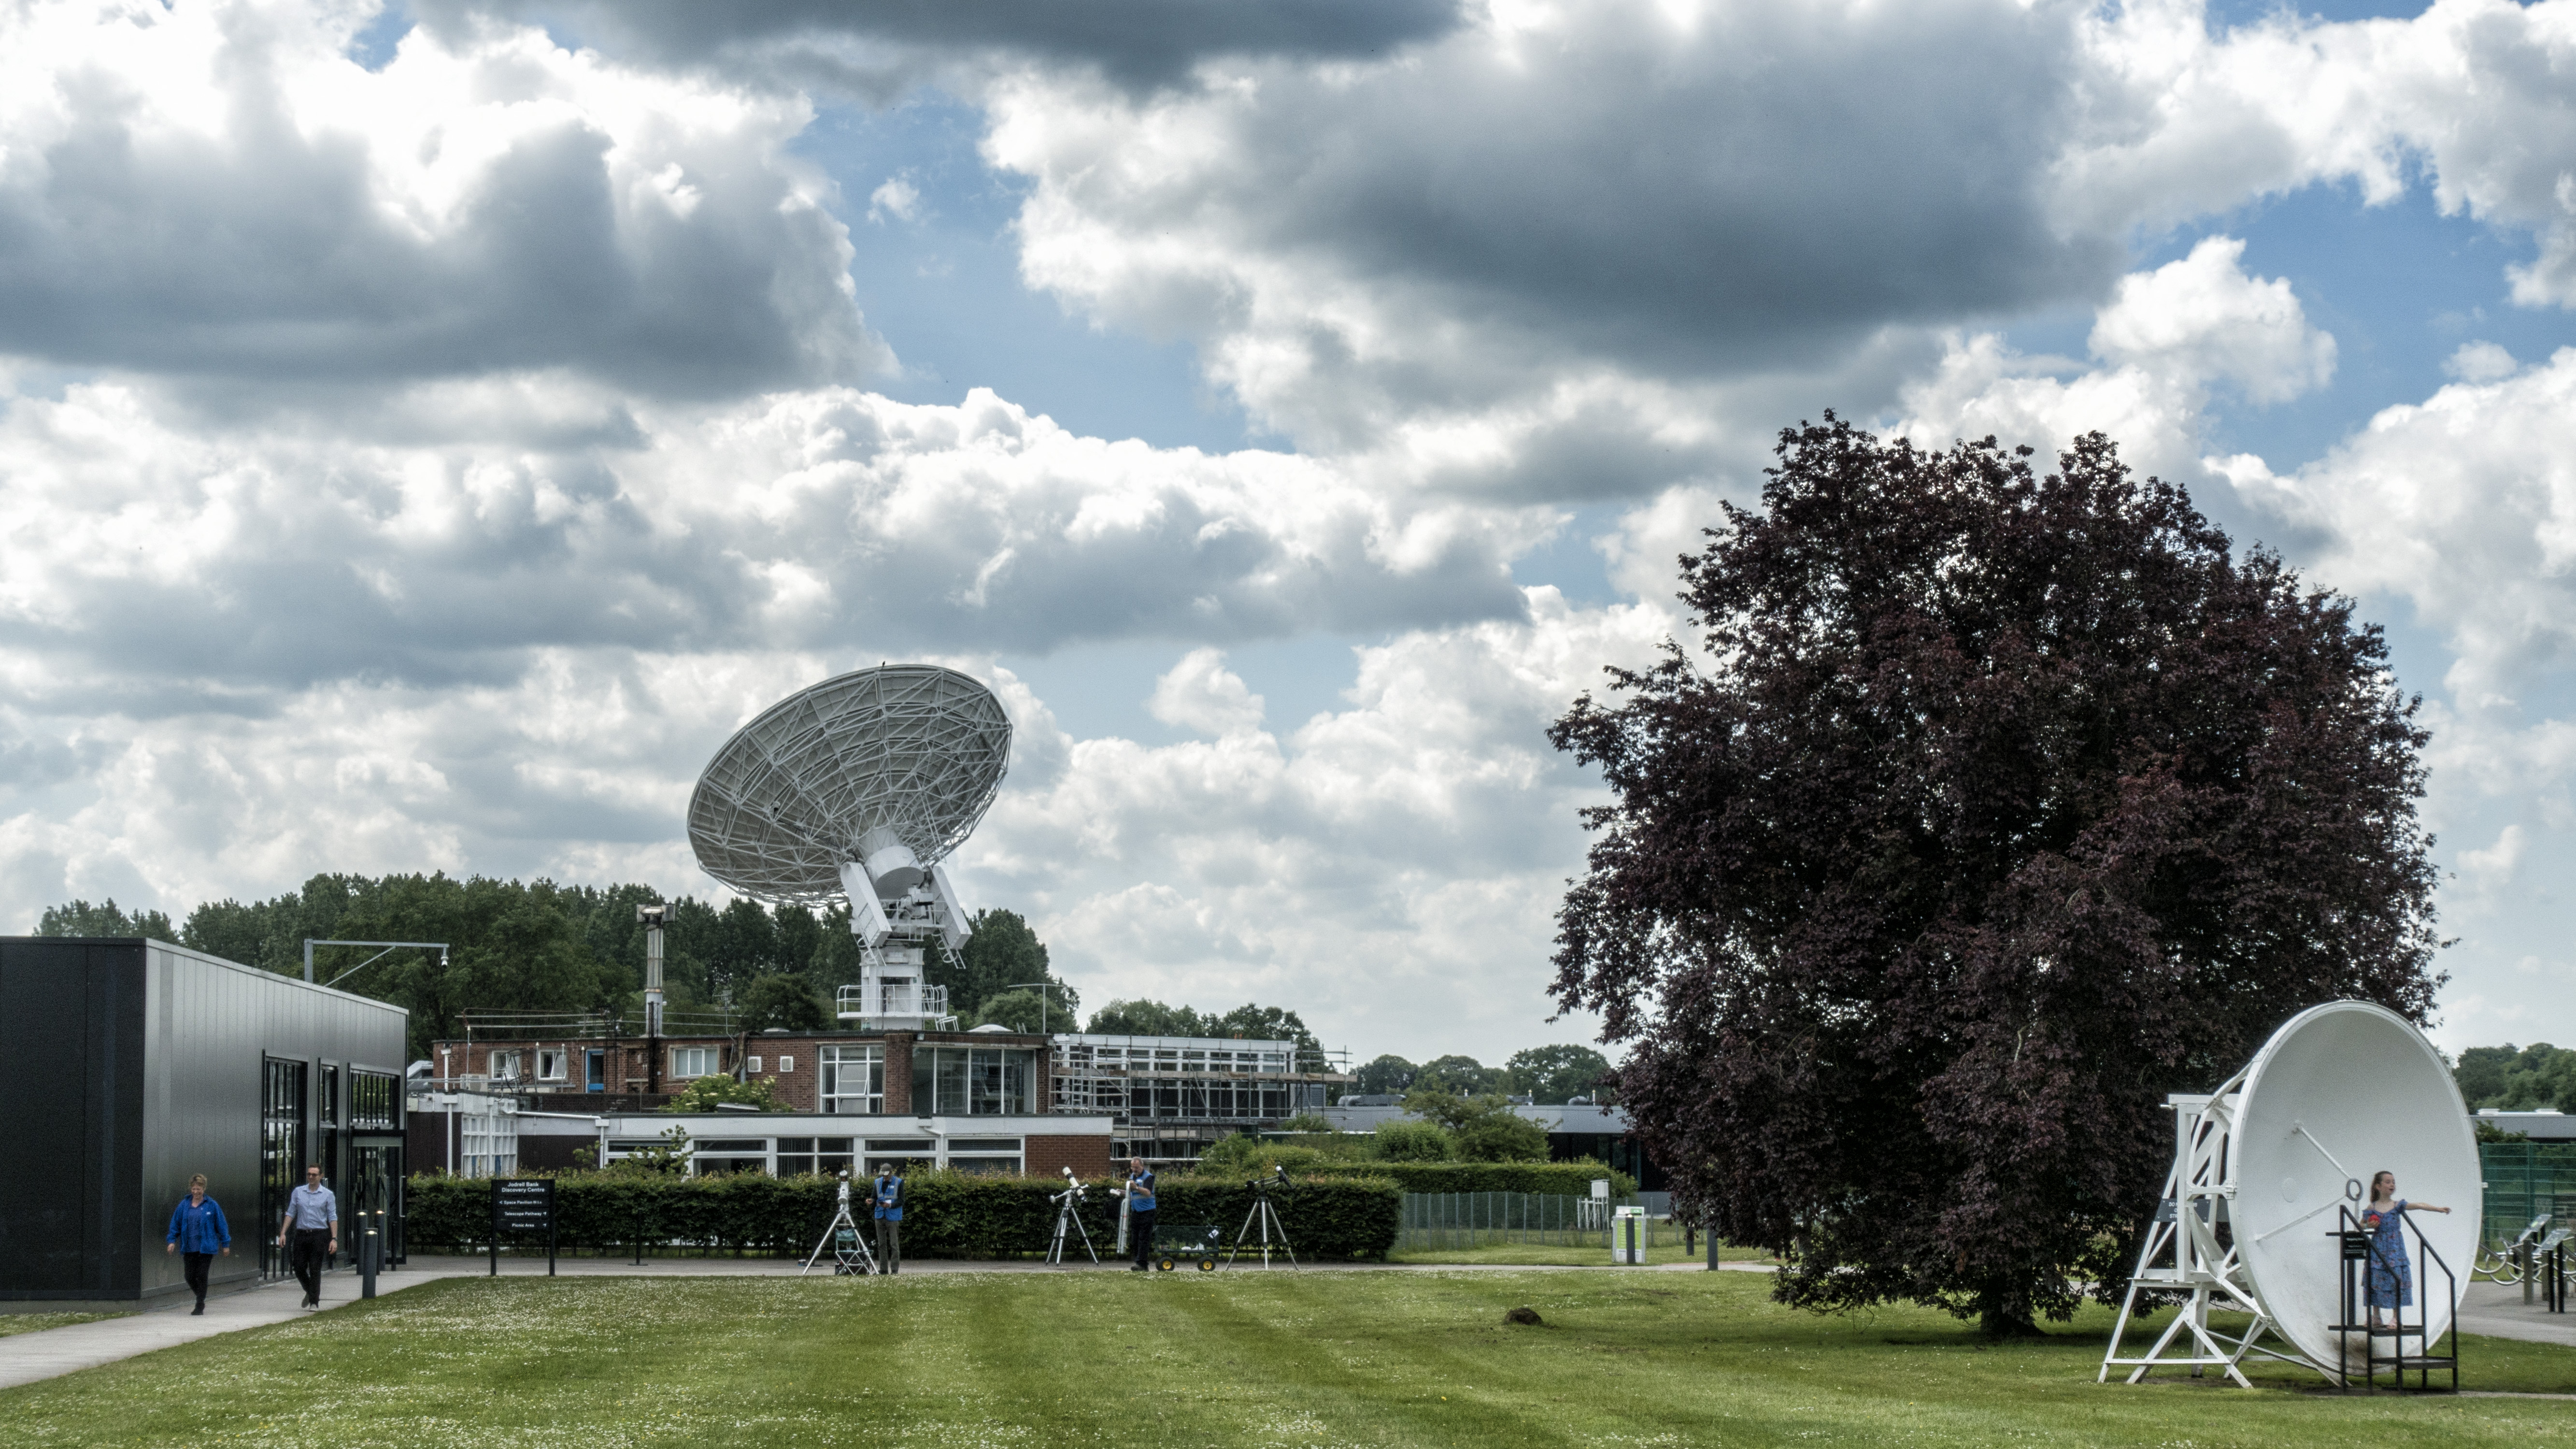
(198, 1232)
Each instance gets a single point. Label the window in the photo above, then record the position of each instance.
(786, 1065)
(504, 1066)
(550, 1064)
(375, 1103)
(973, 1081)
(799, 1155)
(689, 1062)
(751, 1064)
(854, 1080)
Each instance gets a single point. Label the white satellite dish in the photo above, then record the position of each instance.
(2339, 1094)
(860, 786)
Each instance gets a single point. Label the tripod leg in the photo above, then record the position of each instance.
(1283, 1233)
(1086, 1240)
(1245, 1231)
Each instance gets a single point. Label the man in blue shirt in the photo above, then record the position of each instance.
(889, 1210)
(313, 1221)
(1140, 1213)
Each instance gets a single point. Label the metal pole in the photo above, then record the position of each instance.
(368, 1247)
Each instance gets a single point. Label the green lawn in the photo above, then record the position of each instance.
(36, 1322)
(1160, 1360)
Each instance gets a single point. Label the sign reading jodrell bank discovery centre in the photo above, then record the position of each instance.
(523, 1205)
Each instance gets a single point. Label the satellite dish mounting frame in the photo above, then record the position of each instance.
(2182, 1253)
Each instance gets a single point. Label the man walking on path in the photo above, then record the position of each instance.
(313, 1222)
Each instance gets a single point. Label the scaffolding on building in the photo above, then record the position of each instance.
(1172, 1097)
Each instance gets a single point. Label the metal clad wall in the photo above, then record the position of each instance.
(49, 1228)
(219, 1020)
(156, 1050)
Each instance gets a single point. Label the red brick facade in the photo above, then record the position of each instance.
(791, 1064)
(1048, 1156)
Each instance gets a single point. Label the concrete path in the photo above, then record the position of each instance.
(27, 1357)
(2498, 1311)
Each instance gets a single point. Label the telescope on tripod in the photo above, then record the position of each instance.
(850, 1255)
(1265, 1219)
(1069, 1211)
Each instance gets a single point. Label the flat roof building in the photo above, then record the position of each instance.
(148, 1063)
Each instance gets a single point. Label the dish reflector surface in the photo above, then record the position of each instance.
(914, 749)
(2343, 1091)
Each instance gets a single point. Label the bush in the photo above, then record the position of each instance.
(702, 1095)
(1244, 1155)
(948, 1215)
(1400, 1140)
(1502, 1137)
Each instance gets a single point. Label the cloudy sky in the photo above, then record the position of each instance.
(426, 432)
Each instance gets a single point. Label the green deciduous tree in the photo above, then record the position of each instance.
(782, 999)
(1552, 1075)
(1464, 1076)
(1388, 1075)
(80, 918)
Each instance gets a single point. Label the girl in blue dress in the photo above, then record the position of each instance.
(2392, 1273)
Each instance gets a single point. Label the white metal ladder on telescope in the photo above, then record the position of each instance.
(2183, 1255)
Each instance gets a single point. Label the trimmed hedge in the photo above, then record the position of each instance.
(946, 1214)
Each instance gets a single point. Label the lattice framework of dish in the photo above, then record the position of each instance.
(916, 748)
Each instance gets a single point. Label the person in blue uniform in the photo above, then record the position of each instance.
(1140, 1212)
(889, 1215)
(2392, 1272)
(197, 1233)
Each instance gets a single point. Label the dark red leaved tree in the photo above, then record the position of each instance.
(1996, 807)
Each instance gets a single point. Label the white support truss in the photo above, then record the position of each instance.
(2184, 1253)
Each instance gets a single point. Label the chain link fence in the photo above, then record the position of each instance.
(2524, 1180)
(1449, 1221)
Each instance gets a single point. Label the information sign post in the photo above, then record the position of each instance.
(523, 1205)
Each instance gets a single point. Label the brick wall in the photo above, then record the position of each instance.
(898, 1099)
(1048, 1156)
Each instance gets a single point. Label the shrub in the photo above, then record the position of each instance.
(1502, 1137)
(703, 1094)
(1400, 1140)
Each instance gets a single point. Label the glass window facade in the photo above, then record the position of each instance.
(798, 1155)
(974, 1081)
(853, 1080)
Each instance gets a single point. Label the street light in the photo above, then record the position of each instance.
(390, 947)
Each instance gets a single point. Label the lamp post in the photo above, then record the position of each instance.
(390, 947)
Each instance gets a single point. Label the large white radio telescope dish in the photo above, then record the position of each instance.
(2340, 1093)
(887, 767)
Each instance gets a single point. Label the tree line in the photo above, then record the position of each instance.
(1549, 1076)
(538, 946)
(2518, 1079)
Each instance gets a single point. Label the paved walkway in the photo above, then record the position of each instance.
(2496, 1310)
(2486, 1308)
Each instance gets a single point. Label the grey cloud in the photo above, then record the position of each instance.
(1137, 43)
(258, 563)
(278, 249)
(1765, 188)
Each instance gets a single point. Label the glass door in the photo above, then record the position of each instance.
(282, 1124)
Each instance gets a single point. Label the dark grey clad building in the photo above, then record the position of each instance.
(140, 1063)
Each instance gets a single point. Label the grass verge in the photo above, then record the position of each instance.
(1313, 1358)
(12, 1323)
